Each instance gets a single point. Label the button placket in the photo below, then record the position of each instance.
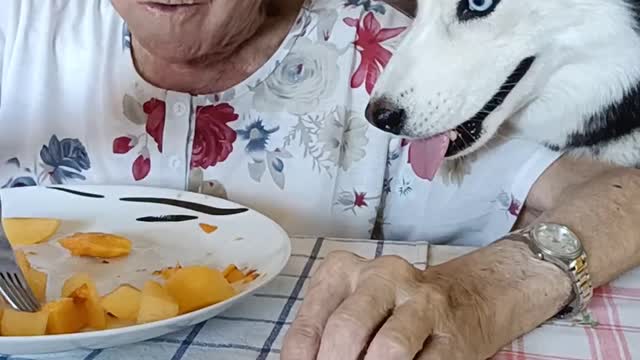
(176, 137)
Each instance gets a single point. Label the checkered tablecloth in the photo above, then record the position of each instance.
(254, 329)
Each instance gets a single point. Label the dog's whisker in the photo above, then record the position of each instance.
(457, 147)
(468, 133)
(509, 136)
(463, 141)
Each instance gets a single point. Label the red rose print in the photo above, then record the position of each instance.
(154, 128)
(124, 144)
(155, 110)
(141, 167)
(374, 57)
(213, 138)
(514, 207)
(360, 199)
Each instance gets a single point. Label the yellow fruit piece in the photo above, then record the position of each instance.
(250, 277)
(123, 302)
(156, 304)
(81, 287)
(3, 306)
(208, 228)
(167, 272)
(75, 282)
(196, 287)
(29, 231)
(66, 316)
(37, 281)
(98, 245)
(21, 260)
(233, 274)
(155, 289)
(97, 317)
(228, 270)
(115, 323)
(16, 323)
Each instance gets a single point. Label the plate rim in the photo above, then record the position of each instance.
(79, 336)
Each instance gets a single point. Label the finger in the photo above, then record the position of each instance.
(403, 335)
(330, 285)
(352, 325)
(442, 348)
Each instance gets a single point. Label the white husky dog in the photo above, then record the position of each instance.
(565, 73)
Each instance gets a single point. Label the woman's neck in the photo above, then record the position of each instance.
(222, 69)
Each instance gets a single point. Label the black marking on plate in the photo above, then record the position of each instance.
(205, 209)
(76, 192)
(167, 218)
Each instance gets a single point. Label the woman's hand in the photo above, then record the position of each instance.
(470, 307)
(388, 310)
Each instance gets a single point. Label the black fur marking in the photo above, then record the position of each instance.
(553, 147)
(634, 5)
(619, 119)
(465, 13)
(187, 205)
(617, 186)
(407, 7)
(506, 88)
(471, 130)
(76, 192)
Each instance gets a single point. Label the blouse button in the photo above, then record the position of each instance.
(174, 162)
(179, 109)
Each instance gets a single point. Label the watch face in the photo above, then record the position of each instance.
(557, 240)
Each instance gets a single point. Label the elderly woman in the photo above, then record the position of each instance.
(262, 102)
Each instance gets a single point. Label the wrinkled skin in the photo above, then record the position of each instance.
(210, 27)
(205, 47)
(349, 298)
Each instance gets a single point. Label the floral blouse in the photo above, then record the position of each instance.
(289, 141)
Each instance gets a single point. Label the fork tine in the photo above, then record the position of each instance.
(18, 295)
(22, 297)
(13, 292)
(35, 304)
(31, 298)
(26, 292)
(7, 294)
(13, 286)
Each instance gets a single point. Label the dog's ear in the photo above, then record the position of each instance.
(408, 7)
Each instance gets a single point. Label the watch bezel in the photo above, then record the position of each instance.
(549, 252)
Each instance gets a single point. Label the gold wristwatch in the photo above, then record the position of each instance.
(560, 246)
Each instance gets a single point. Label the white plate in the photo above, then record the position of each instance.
(246, 239)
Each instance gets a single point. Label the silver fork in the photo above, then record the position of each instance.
(13, 285)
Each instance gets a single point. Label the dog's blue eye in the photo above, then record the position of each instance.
(475, 9)
(480, 5)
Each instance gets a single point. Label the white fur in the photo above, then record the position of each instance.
(587, 55)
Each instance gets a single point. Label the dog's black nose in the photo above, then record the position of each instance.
(386, 116)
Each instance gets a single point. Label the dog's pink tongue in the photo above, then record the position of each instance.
(426, 156)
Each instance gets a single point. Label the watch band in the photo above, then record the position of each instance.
(577, 270)
(582, 287)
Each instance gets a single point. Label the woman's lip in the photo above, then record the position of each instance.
(175, 3)
(169, 8)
